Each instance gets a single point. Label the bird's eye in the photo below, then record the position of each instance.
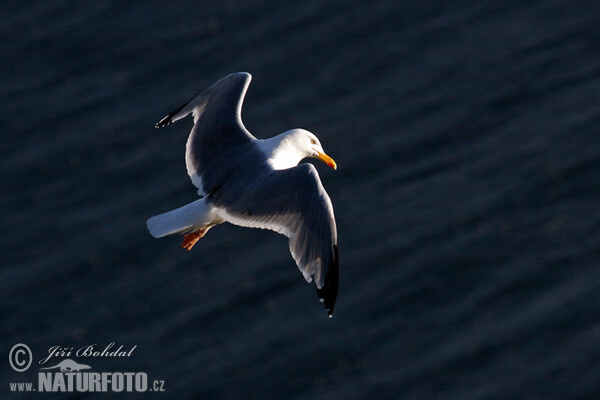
(313, 141)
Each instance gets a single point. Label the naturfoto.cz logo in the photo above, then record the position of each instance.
(69, 375)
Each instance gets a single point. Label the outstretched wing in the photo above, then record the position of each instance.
(218, 129)
(294, 203)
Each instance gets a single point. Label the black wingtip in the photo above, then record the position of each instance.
(169, 118)
(328, 293)
(164, 122)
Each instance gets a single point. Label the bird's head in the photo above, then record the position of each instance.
(308, 145)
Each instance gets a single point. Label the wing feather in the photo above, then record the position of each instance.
(218, 128)
(294, 203)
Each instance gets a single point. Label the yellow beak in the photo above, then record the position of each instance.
(326, 159)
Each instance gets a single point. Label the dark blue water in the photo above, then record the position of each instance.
(467, 196)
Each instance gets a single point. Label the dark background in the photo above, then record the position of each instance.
(467, 196)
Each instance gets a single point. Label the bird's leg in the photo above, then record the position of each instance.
(191, 238)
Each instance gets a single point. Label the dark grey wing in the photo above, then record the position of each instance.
(294, 203)
(218, 129)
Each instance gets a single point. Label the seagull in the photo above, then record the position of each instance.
(254, 183)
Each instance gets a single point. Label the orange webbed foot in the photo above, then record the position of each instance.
(191, 238)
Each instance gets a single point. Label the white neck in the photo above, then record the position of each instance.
(279, 152)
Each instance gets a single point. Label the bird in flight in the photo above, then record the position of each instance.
(254, 183)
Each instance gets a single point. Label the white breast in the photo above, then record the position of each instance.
(279, 153)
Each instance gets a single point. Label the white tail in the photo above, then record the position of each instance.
(181, 220)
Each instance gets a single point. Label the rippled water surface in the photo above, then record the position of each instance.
(467, 196)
